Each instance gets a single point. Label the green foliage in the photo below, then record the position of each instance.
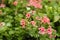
(11, 16)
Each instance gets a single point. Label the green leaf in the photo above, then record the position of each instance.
(11, 32)
(56, 18)
(58, 39)
(3, 29)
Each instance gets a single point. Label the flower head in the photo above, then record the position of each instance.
(42, 30)
(23, 23)
(45, 19)
(15, 3)
(33, 23)
(28, 15)
(49, 30)
(2, 5)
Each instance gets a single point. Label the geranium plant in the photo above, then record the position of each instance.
(30, 20)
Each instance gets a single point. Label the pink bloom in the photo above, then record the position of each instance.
(38, 5)
(2, 5)
(45, 19)
(28, 15)
(42, 30)
(49, 30)
(33, 23)
(23, 23)
(35, 3)
(15, 3)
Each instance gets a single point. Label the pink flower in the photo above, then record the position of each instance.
(49, 30)
(45, 19)
(2, 5)
(23, 23)
(38, 5)
(15, 3)
(28, 15)
(35, 3)
(33, 23)
(42, 30)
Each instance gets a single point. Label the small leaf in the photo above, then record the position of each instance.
(56, 18)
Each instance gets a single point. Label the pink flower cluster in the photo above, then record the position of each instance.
(35, 3)
(23, 23)
(28, 15)
(48, 31)
(2, 5)
(45, 19)
(42, 30)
